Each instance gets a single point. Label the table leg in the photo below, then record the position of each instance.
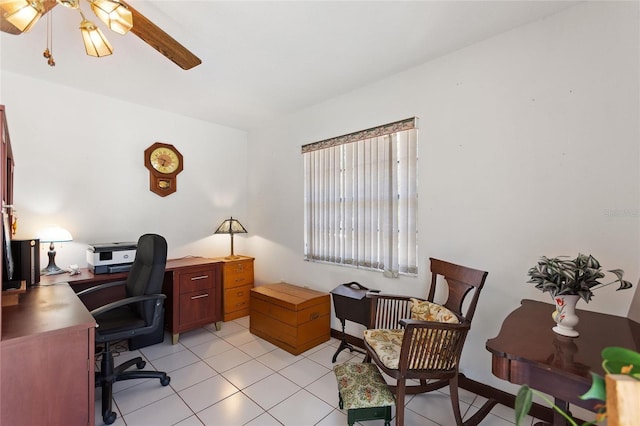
(558, 419)
(345, 345)
(174, 338)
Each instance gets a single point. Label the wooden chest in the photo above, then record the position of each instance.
(293, 318)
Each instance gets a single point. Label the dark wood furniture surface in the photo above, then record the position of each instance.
(47, 365)
(527, 351)
(192, 285)
(194, 296)
(237, 282)
(291, 317)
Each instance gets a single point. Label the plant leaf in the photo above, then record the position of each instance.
(523, 402)
(618, 273)
(597, 390)
(616, 358)
(624, 285)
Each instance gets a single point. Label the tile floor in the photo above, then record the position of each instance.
(231, 377)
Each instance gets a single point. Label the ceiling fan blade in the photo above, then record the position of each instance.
(7, 27)
(155, 37)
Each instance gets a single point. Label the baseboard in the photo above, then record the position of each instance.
(504, 398)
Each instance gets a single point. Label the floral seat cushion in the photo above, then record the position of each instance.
(388, 342)
(428, 311)
(361, 386)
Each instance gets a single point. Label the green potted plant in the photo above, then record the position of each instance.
(562, 276)
(615, 360)
(569, 280)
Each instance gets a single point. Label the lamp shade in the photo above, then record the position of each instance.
(95, 43)
(54, 234)
(114, 14)
(22, 14)
(230, 226)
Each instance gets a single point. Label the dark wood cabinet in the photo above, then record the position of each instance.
(194, 295)
(47, 370)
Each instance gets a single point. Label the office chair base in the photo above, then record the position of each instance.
(108, 375)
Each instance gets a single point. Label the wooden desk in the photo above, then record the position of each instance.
(193, 286)
(527, 351)
(47, 359)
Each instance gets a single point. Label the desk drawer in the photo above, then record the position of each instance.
(198, 279)
(197, 307)
(238, 273)
(237, 298)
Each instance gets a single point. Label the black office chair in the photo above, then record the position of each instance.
(139, 313)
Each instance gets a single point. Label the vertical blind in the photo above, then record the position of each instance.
(360, 199)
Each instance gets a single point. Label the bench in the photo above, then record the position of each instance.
(363, 392)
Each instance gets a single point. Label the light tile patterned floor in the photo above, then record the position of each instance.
(231, 377)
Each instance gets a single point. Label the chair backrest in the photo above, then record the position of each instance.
(460, 280)
(147, 272)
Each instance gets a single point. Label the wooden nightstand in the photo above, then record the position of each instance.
(237, 282)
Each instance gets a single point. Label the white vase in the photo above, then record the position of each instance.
(565, 315)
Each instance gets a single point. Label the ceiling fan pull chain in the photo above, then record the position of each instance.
(48, 52)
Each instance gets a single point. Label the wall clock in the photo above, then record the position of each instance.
(164, 162)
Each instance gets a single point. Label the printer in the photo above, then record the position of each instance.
(109, 258)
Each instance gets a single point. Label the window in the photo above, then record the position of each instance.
(361, 201)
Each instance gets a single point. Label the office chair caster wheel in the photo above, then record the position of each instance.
(140, 365)
(165, 381)
(110, 418)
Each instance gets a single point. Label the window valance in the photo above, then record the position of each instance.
(386, 129)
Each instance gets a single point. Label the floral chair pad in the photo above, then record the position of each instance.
(424, 310)
(361, 386)
(386, 344)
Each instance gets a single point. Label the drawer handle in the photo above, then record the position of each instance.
(240, 293)
(240, 304)
(314, 315)
(200, 296)
(238, 280)
(201, 277)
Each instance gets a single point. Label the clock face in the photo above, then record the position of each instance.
(164, 160)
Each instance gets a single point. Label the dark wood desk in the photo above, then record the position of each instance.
(193, 286)
(527, 351)
(47, 359)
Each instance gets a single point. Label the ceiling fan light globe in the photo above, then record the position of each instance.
(71, 4)
(95, 43)
(114, 14)
(22, 14)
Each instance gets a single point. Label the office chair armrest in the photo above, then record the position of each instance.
(100, 287)
(128, 301)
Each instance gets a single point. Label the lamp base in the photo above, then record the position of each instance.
(232, 257)
(52, 270)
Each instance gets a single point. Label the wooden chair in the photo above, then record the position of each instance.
(423, 350)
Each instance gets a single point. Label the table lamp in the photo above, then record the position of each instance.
(231, 226)
(53, 235)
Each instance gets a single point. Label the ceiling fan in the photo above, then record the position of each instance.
(18, 16)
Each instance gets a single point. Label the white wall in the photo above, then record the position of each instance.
(529, 146)
(80, 164)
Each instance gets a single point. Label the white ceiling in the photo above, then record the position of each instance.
(266, 58)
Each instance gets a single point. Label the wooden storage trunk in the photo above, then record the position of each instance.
(293, 318)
